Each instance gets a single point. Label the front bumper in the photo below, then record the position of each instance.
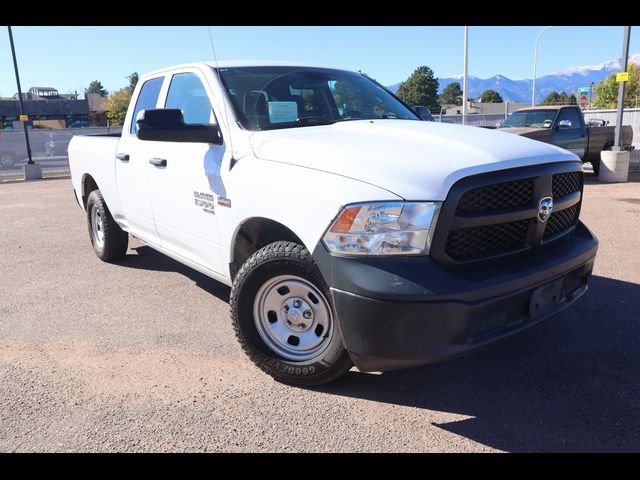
(408, 311)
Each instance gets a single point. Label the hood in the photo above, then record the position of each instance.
(522, 130)
(413, 159)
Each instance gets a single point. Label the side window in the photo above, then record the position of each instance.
(187, 93)
(570, 114)
(148, 98)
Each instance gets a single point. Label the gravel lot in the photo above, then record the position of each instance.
(141, 356)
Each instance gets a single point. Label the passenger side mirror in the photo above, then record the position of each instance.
(423, 113)
(167, 125)
(564, 124)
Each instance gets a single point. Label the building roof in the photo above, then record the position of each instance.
(40, 108)
(547, 107)
(488, 108)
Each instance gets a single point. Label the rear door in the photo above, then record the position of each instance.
(133, 169)
(569, 132)
(184, 192)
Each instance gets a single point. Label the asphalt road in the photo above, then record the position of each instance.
(140, 356)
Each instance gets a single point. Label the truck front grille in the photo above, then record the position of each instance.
(566, 183)
(496, 197)
(467, 243)
(496, 214)
(560, 221)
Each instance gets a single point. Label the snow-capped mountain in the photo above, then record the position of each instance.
(567, 80)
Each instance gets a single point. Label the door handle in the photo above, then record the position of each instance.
(158, 162)
(122, 156)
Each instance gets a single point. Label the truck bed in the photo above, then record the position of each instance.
(95, 154)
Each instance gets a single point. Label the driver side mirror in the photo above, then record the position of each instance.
(167, 125)
(564, 124)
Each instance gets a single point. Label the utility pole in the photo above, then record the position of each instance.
(591, 97)
(614, 163)
(465, 83)
(621, 87)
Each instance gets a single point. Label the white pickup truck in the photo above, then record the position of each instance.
(350, 231)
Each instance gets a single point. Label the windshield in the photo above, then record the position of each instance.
(265, 98)
(530, 118)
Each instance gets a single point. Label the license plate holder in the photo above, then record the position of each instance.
(545, 298)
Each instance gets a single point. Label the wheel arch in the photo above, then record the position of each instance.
(88, 185)
(254, 233)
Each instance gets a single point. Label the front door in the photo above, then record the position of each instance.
(133, 169)
(569, 132)
(184, 189)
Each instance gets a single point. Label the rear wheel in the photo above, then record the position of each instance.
(109, 241)
(283, 317)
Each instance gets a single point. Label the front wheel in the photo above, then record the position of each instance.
(283, 317)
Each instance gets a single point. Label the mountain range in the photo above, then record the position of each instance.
(567, 80)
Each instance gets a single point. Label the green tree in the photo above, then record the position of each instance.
(347, 96)
(607, 91)
(490, 96)
(552, 99)
(133, 81)
(421, 88)
(117, 105)
(96, 87)
(572, 99)
(451, 94)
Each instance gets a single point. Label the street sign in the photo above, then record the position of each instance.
(24, 118)
(584, 90)
(622, 77)
(583, 101)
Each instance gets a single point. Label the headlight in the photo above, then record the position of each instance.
(390, 228)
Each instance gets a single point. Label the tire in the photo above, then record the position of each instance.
(596, 166)
(109, 241)
(277, 296)
(7, 160)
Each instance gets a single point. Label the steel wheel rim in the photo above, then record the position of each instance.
(97, 226)
(293, 318)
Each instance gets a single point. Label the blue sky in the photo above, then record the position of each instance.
(68, 58)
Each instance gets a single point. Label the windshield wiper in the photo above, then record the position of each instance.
(314, 120)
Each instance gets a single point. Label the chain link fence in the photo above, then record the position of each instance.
(474, 119)
(48, 149)
(631, 117)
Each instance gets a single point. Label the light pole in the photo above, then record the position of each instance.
(535, 62)
(465, 82)
(24, 123)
